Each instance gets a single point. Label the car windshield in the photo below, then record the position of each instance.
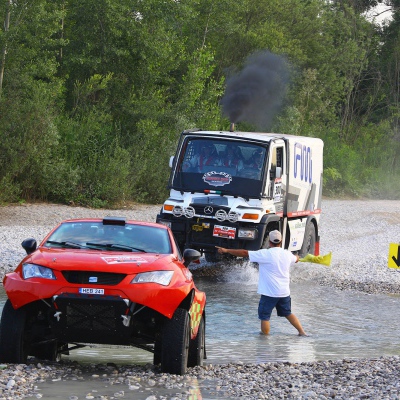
(231, 166)
(97, 236)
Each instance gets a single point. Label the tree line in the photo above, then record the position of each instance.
(94, 93)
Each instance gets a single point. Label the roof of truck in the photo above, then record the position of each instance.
(259, 136)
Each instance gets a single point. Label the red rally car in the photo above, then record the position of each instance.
(106, 281)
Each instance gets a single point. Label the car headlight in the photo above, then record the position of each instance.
(247, 233)
(160, 277)
(37, 271)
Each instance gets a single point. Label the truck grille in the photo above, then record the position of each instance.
(202, 237)
(208, 210)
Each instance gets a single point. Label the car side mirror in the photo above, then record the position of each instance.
(171, 161)
(29, 245)
(190, 255)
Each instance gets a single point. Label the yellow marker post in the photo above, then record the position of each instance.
(394, 256)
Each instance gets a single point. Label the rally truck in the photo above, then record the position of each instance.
(231, 188)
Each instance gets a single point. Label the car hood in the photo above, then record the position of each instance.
(93, 260)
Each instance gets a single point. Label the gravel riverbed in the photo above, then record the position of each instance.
(357, 232)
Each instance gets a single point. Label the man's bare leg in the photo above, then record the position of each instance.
(265, 327)
(296, 323)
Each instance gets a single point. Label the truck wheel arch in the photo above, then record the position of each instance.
(269, 223)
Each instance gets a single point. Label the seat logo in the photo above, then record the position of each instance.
(208, 210)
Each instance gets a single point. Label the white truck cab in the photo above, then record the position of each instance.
(231, 189)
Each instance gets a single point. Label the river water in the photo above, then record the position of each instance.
(340, 324)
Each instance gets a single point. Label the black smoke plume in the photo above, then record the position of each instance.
(256, 93)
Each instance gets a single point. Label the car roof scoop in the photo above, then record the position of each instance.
(114, 221)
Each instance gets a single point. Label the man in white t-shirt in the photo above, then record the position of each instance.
(274, 280)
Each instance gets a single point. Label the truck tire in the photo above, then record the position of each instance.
(265, 243)
(197, 346)
(309, 240)
(13, 344)
(175, 343)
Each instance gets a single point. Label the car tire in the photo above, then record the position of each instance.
(48, 351)
(308, 246)
(175, 343)
(197, 347)
(157, 352)
(13, 345)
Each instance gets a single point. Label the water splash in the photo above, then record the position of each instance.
(243, 272)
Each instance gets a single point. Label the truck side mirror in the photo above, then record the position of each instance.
(275, 172)
(171, 161)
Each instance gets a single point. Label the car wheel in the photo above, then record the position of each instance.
(48, 351)
(175, 343)
(309, 241)
(157, 352)
(197, 346)
(13, 345)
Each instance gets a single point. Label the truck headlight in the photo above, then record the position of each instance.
(245, 233)
(160, 277)
(37, 271)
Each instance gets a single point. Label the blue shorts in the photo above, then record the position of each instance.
(267, 304)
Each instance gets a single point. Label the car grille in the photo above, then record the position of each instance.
(93, 278)
(92, 316)
(91, 319)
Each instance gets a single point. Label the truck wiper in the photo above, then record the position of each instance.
(225, 193)
(70, 245)
(115, 246)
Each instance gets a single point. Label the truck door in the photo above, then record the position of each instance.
(277, 175)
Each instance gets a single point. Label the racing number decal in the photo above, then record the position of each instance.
(195, 316)
(302, 162)
(277, 190)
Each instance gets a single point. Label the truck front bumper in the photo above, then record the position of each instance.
(206, 233)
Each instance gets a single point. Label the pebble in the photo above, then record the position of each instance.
(358, 233)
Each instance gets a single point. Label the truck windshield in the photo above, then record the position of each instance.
(231, 166)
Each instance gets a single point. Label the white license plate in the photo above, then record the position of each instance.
(224, 232)
(91, 291)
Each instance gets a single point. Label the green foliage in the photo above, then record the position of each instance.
(29, 140)
(150, 170)
(10, 191)
(95, 92)
(99, 168)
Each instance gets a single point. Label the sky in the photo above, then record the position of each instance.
(378, 13)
